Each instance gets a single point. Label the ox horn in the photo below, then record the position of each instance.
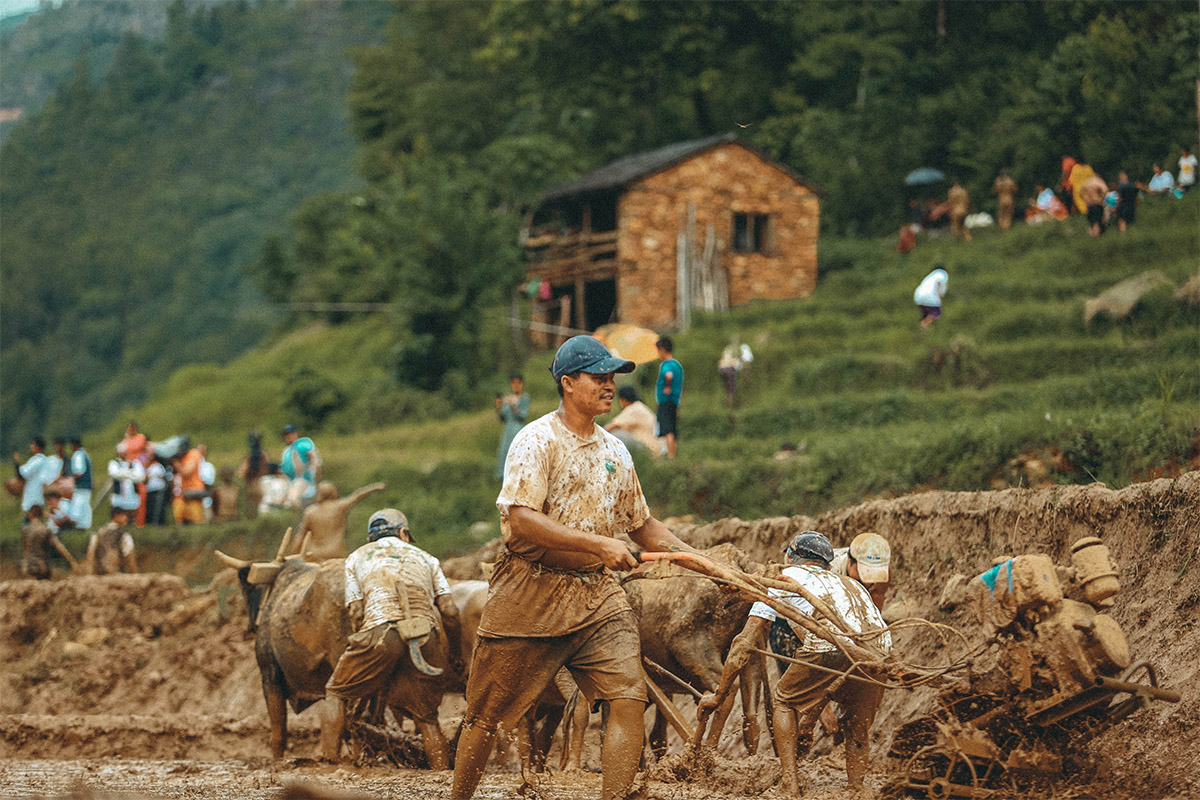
(418, 658)
(230, 561)
(283, 546)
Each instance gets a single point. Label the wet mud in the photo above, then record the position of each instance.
(139, 686)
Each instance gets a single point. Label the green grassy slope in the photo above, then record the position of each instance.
(876, 404)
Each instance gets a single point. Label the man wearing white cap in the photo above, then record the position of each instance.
(867, 560)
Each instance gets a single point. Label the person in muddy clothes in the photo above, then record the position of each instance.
(802, 693)
(38, 544)
(402, 598)
(110, 550)
(867, 560)
(569, 490)
(322, 533)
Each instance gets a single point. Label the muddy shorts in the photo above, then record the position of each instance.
(807, 692)
(508, 674)
(377, 660)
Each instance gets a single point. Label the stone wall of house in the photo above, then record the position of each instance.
(721, 182)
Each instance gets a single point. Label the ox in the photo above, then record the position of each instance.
(687, 625)
(298, 613)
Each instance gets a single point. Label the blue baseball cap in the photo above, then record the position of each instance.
(587, 354)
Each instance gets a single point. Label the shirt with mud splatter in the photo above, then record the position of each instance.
(587, 483)
(374, 570)
(844, 595)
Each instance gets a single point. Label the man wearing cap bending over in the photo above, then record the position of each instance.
(867, 560)
(408, 633)
(569, 490)
(802, 693)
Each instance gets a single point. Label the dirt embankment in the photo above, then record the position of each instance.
(142, 667)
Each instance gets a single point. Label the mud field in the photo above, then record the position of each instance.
(135, 686)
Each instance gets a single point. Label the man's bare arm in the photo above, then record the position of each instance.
(538, 529)
(89, 561)
(657, 537)
(359, 494)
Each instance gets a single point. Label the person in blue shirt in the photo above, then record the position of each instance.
(301, 463)
(81, 471)
(667, 392)
(34, 473)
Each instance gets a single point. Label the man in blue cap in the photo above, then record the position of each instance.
(803, 692)
(569, 490)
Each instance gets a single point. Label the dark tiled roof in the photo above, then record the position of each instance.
(624, 171)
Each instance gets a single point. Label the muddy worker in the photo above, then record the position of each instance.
(110, 550)
(802, 693)
(322, 533)
(408, 634)
(569, 490)
(38, 545)
(867, 560)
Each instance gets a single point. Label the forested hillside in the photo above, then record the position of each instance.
(131, 205)
(135, 205)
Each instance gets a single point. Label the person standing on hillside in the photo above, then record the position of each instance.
(667, 393)
(802, 693)
(513, 410)
(301, 464)
(1127, 200)
(136, 449)
(33, 472)
(734, 358)
(1187, 169)
(1005, 188)
(408, 633)
(253, 467)
(1093, 191)
(81, 470)
(157, 489)
(930, 294)
(53, 471)
(960, 203)
(127, 475)
(570, 489)
(188, 503)
(322, 532)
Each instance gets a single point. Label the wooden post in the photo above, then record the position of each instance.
(580, 304)
(668, 709)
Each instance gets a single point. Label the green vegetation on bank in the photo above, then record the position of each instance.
(197, 159)
(874, 404)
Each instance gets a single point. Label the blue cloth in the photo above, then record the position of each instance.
(989, 577)
(675, 369)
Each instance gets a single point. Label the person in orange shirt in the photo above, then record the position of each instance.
(188, 503)
(137, 449)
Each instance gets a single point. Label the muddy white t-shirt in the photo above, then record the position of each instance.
(585, 482)
(843, 595)
(374, 571)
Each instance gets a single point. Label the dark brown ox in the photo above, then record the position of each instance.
(298, 613)
(687, 625)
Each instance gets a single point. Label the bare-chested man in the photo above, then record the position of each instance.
(38, 543)
(322, 533)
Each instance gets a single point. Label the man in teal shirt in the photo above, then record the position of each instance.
(301, 463)
(667, 392)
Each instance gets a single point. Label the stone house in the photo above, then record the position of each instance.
(708, 223)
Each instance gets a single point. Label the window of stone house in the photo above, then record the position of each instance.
(751, 233)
